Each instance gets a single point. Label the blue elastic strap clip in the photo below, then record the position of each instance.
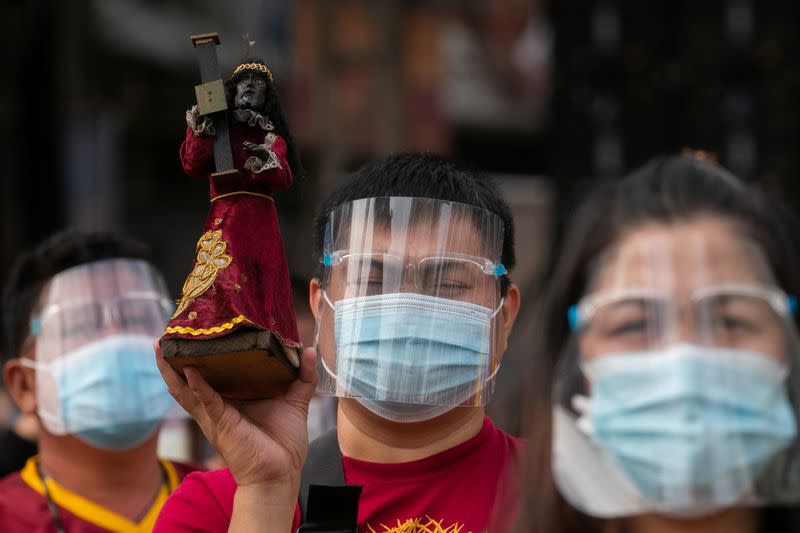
(327, 259)
(791, 303)
(573, 317)
(500, 270)
(35, 326)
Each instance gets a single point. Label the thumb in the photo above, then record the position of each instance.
(302, 389)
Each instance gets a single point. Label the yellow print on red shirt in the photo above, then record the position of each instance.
(419, 525)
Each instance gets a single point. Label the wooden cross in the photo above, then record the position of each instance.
(212, 102)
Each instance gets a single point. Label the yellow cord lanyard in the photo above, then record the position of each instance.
(54, 508)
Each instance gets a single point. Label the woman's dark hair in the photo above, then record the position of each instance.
(272, 110)
(665, 190)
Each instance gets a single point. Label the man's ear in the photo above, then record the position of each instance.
(314, 294)
(509, 312)
(20, 383)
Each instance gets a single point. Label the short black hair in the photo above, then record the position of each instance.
(422, 175)
(34, 268)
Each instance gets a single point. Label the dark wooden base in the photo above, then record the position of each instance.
(244, 365)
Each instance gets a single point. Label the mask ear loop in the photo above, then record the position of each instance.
(491, 376)
(327, 300)
(30, 363)
(326, 261)
(499, 307)
(50, 421)
(335, 377)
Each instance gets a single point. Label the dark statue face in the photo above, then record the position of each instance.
(251, 91)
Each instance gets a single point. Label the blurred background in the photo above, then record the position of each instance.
(546, 96)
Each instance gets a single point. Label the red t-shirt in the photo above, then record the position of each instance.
(451, 491)
(24, 507)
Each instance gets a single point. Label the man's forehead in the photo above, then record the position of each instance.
(99, 281)
(422, 239)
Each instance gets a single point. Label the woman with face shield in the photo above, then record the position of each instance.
(669, 361)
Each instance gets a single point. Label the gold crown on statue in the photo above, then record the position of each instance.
(253, 66)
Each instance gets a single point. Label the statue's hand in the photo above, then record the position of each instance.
(200, 124)
(259, 150)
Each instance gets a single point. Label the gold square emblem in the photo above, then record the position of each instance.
(211, 97)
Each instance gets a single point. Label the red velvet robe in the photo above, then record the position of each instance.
(240, 277)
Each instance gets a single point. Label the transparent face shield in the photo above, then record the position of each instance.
(408, 314)
(95, 367)
(678, 392)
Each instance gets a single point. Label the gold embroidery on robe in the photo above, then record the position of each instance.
(211, 258)
(205, 331)
(419, 525)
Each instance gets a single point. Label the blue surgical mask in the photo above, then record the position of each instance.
(689, 423)
(109, 393)
(409, 357)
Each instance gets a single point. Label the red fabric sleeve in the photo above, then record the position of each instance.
(197, 154)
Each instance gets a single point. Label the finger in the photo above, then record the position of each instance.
(308, 366)
(304, 386)
(176, 385)
(211, 401)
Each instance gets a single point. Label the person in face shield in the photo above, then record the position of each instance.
(413, 306)
(669, 334)
(80, 314)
